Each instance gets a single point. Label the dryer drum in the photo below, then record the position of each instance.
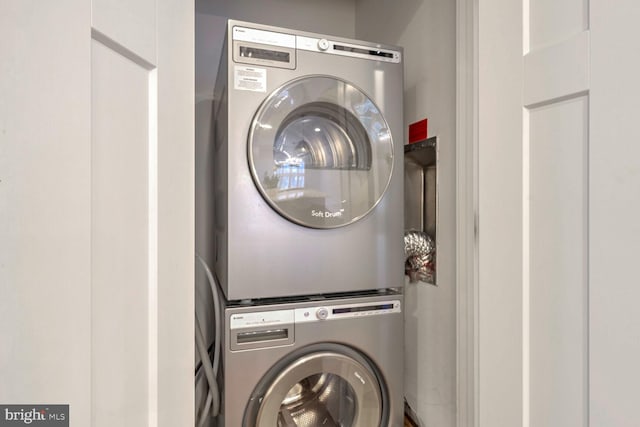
(320, 152)
(322, 135)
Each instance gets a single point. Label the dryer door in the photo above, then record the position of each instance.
(320, 152)
(323, 388)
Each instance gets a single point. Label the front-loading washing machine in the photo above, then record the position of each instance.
(308, 164)
(332, 362)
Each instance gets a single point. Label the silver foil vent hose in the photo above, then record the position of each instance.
(420, 257)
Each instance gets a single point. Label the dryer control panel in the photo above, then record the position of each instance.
(346, 311)
(277, 49)
(363, 51)
(267, 48)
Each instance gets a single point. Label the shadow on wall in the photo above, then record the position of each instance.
(384, 21)
(413, 100)
(335, 17)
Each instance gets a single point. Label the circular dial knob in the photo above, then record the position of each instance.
(323, 44)
(322, 313)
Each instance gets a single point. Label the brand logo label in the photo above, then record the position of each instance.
(34, 415)
(327, 214)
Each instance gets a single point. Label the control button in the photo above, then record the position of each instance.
(322, 313)
(323, 44)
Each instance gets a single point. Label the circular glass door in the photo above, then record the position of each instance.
(320, 152)
(324, 388)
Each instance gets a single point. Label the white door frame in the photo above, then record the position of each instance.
(467, 212)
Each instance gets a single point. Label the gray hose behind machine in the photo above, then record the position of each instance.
(212, 405)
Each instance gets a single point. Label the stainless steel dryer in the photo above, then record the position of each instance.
(308, 164)
(330, 363)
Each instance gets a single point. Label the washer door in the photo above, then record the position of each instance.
(320, 152)
(322, 388)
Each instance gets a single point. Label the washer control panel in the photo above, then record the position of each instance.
(346, 311)
(260, 319)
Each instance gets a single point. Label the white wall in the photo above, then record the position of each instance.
(427, 32)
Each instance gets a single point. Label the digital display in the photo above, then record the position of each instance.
(363, 51)
(266, 54)
(362, 308)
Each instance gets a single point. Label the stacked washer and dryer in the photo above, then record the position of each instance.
(308, 229)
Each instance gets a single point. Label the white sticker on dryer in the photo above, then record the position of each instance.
(250, 78)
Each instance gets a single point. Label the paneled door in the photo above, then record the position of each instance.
(558, 208)
(96, 209)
